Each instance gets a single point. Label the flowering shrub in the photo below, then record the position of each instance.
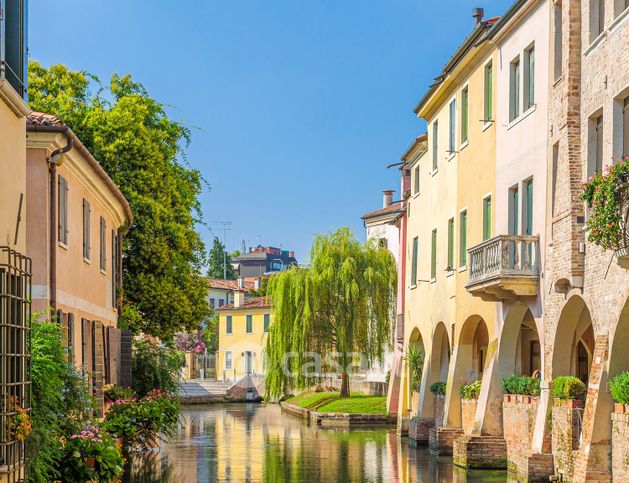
(140, 421)
(194, 343)
(113, 393)
(90, 455)
(154, 366)
(601, 194)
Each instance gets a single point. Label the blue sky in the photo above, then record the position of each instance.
(296, 107)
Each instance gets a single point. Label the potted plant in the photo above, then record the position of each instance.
(90, 455)
(469, 400)
(569, 391)
(415, 360)
(619, 388)
(520, 388)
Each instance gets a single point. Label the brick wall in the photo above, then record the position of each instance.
(468, 414)
(566, 429)
(518, 420)
(620, 447)
(438, 409)
(418, 429)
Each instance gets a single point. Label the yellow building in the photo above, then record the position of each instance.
(450, 210)
(243, 332)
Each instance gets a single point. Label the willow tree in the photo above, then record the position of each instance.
(341, 306)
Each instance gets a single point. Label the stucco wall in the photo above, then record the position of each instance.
(239, 341)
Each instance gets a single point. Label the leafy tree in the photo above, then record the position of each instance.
(262, 291)
(219, 259)
(141, 149)
(343, 303)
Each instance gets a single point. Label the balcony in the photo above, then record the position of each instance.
(504, 268)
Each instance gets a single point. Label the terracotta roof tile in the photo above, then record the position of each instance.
(392, 208)
(42, 119)
(249, 304)
(219, 283)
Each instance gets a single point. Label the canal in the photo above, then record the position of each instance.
(252, 442)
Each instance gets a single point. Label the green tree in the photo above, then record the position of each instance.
(219, 262)
(141, 148)
(343, 303)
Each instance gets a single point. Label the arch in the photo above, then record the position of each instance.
(416, 341)
(435, 368)
(470, 359)
(619, 353)
(518, 352)
(574, 337)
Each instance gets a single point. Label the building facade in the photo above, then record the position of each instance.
(262, 261)
(243, 332)
(77, 219)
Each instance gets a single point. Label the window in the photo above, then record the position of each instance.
(221, 302)
(416, 180)
(86, 229)
(451, 244)
(62, 210)
(514, 89)
(554, 175)
(558, 38)
(213, 303)
(228, 359)
(383, 243)
(452, 134)
(625, 126)
(465, 101)
(527, 208)
(229, 328)
(463, 238)
(597, 18)
(487, 218)
(114, 269)
(514, 204)
(489, 92)
(621, 128)
(529, 78)
(414, 261)
(435, 145)
(103, 244)
(620, 6)
(433, 256)
(267, 322)
(249, 324)
(595, 145)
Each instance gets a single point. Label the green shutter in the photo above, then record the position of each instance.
(267, 322)
(529, 207)
(451, 244)
(433, 256)
(464, 114)
(487, 218)
(249, 327)
(489, 92)
(414, 261)
(435, 145)
(228, 324)
(463, 239)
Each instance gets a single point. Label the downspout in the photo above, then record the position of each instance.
(52, 169)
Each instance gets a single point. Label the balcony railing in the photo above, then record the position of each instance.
(504, 267)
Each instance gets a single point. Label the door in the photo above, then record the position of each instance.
(248, 362)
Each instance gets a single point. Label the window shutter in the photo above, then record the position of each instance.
(103, 244)
(65, 211)
(71, 338)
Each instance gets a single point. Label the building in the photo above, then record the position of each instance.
(262, 261)
(221, 292)
(15, 267)
(243, 332)
(380, 224)
(77, 216)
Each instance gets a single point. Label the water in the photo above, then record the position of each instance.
(251, 442)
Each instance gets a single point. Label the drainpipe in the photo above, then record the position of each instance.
(52, 169)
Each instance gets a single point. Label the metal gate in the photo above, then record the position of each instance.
(15, 366)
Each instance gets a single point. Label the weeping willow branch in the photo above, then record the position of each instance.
(344, 302)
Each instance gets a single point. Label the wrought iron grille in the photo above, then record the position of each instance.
(15, 364)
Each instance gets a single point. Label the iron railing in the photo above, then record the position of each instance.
(504, 256)
(15, 363)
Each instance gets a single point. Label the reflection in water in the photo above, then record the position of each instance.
(250, 442)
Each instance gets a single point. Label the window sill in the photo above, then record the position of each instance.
(618, 20)
(522, 116)
(558, 80)
(87, 260)
(62, 245)
(434, 172)
(463, 268)
(596, 42)
(416, 195)
(487, 125)
(449, 273)
(414, 286)
(433, 280)
(450, 156)
(464, 145)
(104, 272)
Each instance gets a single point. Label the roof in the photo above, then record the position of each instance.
(422, 138)
(501, 21)
(391, 209)
(42, 122)
(222, 284)
(249, 304)
(470, 41)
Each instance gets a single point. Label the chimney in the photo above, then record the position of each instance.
(239, 298)
(257, 283)
(478, 13)
(387, 198)
(241, 282)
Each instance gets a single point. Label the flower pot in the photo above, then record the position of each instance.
(626, 408)
(506, 398)
(518, 398)
(619, 408)
(526, 399)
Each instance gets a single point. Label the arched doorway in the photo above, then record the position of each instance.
(437, 371)
(574, 341)
(470, 357)
(415, 357)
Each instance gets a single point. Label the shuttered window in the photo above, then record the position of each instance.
(433, 256)
(62, 210)
(267, 322)
(489, 92)
(451, 244)
(249, 326)
(463, 238)
(86, 229)
(465, 100)
(487, 218)
(414, 261)
(103, 244)
(114, 268)
(228, 324)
